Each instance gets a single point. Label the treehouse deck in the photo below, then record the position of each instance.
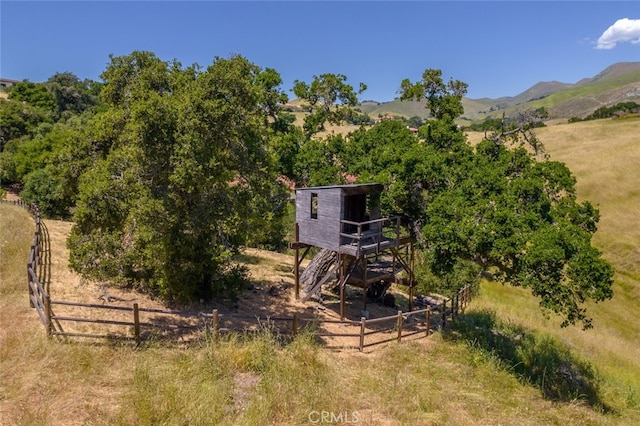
(345, 222)
(380, 270)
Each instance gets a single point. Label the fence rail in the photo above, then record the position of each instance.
(403, 324)
(38, 267)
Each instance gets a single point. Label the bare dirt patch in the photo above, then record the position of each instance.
(265, 302)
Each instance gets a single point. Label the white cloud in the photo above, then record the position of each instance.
(622, 30)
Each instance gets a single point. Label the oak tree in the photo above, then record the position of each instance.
(329, 98)
(501, 206)
(186, 178)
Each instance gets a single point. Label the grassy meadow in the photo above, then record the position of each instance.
(503, 363)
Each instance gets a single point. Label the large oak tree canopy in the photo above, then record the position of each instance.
(187, 174)
(496, 205)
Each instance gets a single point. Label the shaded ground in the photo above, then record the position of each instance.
(269, 297)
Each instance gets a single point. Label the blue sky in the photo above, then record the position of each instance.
(499, 48)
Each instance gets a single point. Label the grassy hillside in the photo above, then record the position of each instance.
(504, 364)
(618, 83)
(474, 108)
(603, 155)
(396, 107)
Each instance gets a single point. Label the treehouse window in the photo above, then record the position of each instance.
(314, 205)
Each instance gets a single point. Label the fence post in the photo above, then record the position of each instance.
(428, 313)
(34, 248)
(468, 299)
(136, 322)
(294, 326)
(456, 302)
(444, 313)
(399, 326)
(215, 324)
(363, 322)
(29, 267)
(47, 315)
(467, 296)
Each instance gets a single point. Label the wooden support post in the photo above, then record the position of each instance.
(363, 324)
(399, 326)
(342, 284)
(136, 322)
(364, 297)
(410, 295)
(364, 280)
(342, 291)
(294, 326)
(394, 251)
(296, 265)
(412, 261)
(428, 313)
(215, 324)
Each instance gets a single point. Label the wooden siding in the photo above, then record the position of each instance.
(324, 231)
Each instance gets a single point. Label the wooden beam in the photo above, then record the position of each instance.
(341, 282)
(410, 296)
(364, 280)
(296, 265)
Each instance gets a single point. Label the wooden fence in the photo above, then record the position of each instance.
(405, 324)
(38, 268)
(174, 324)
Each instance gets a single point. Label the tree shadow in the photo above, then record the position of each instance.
(249, 259)
(534, 358)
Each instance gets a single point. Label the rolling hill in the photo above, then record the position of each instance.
(617, 83)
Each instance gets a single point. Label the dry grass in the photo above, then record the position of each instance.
(258, 380)
(604, 156)
(250, 380)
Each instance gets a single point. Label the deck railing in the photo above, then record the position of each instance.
(371, 234)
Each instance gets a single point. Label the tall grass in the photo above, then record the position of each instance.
(16, 233)
(504, 363)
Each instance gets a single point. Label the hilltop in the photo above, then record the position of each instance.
(617, 83)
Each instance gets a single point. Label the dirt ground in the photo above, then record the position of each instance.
(269, 296)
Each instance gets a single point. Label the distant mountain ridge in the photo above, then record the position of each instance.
(619, 82)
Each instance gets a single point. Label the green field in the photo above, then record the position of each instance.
(504, 363)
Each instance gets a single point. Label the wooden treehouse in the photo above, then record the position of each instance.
(359, 247)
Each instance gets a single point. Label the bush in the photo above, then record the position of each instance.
(42, 188)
